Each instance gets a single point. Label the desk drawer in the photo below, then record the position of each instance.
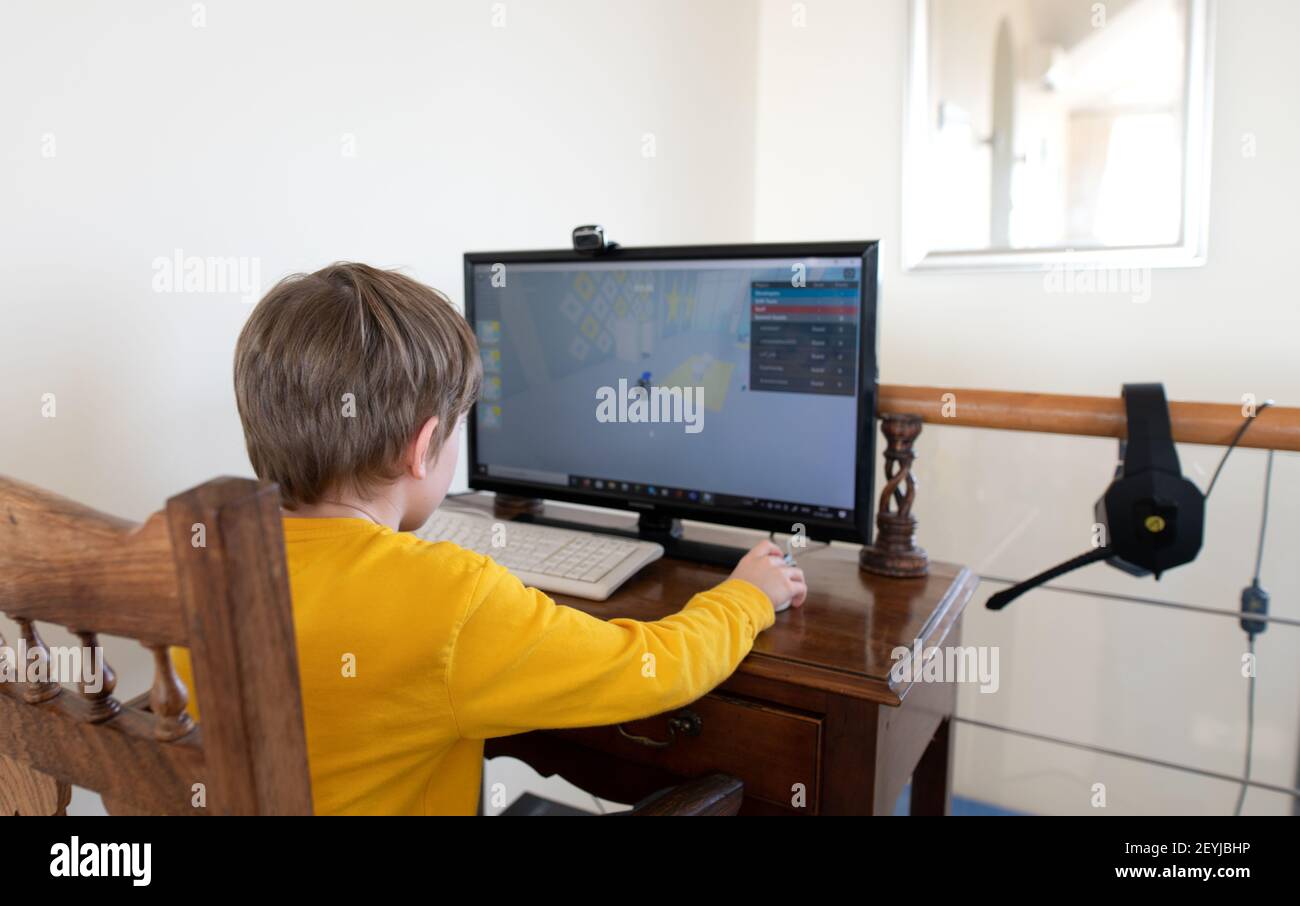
(768, 748)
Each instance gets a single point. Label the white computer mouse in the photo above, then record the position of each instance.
(785, 605)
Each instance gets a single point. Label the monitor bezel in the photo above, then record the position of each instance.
(860, 530)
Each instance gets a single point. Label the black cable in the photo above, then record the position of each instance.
(1240, 431)
(1250, 730)
(1263, 519)
(1250, 693)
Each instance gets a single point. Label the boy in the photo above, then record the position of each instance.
(352, 384)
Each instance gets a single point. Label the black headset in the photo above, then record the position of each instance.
(1152, 518)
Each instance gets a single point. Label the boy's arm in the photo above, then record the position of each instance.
(522, 662)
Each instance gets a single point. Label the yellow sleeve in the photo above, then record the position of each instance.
(522, 662)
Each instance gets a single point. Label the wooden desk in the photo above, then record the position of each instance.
(812, 705)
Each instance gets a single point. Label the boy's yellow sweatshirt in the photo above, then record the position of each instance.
(411, 653)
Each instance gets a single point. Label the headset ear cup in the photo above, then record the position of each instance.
(1154, 521)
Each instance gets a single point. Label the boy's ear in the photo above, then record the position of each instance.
(417, 454)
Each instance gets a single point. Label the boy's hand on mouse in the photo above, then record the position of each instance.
(765, 567)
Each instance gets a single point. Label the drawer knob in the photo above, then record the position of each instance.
(683, 723)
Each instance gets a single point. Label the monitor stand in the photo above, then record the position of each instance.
(650, 527)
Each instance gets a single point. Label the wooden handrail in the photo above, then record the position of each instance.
(1278, 427)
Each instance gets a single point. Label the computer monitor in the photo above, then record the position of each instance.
(730, 384)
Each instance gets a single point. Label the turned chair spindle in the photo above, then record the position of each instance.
(102, 704)
(167, 698)
(37, 664)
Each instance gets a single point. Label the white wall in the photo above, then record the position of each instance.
(1152, 681)
(228, 140)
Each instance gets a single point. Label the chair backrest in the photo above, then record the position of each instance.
(207, 573)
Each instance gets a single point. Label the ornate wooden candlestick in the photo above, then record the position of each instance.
(894, 552)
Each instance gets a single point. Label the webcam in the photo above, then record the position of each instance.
(590, 240)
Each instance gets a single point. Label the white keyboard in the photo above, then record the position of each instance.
(583, 564)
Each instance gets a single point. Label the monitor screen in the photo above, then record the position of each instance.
(726, 388)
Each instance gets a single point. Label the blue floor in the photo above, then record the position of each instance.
(963, 807)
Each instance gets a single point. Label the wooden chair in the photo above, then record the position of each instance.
(207, 573)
